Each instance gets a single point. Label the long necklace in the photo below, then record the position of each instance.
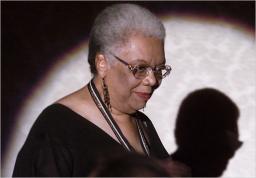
(113, 125)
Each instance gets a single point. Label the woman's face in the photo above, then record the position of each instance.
(128, 94)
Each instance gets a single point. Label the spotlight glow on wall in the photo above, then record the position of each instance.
(203, 53)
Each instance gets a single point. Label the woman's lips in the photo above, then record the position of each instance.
(144, 96)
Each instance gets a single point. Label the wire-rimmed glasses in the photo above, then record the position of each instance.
(142, 71)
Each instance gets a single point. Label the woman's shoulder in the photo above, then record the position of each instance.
(58, 120)
(55, 108)
(58, 134)
(56, 113)
(70, 109)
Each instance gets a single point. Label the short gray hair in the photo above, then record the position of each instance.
(115, 25)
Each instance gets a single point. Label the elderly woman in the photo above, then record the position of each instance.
(127, 60)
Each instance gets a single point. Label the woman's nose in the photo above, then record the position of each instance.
(151, 78)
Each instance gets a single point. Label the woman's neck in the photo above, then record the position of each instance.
(119, 116)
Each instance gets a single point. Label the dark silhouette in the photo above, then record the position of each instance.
(129, 165)
(206, 132)
(176, 168)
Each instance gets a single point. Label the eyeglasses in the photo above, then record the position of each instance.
(142, 71)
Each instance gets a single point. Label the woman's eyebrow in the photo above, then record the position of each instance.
(141, 61)
(145, 62)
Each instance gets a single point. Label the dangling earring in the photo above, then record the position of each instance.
(106, 94)
(143, 108)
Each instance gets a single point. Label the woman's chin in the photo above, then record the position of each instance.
(141, 106)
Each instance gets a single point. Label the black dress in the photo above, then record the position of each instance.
(63, 143)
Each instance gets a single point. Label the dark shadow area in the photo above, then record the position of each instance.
(206, 132)
(129, 165)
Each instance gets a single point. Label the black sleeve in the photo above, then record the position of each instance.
(43, 157)
(63, 143)
(44, 154)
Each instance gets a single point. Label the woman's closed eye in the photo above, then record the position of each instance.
(141, 68)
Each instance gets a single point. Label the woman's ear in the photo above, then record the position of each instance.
(101, 65)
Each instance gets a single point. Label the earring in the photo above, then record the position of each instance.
(144, 108)
(106, 94)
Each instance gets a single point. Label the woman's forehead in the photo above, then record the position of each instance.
(143, 49)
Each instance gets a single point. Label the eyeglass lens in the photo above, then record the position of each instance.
(141, 72)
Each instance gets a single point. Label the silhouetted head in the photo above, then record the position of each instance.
(206, 131)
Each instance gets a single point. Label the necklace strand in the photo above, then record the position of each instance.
(113, 125)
